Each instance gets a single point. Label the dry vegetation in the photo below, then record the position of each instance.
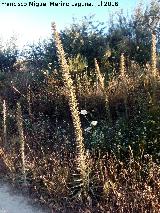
(98, 148)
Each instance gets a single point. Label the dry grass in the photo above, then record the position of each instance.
(113, 185)
(53, 147)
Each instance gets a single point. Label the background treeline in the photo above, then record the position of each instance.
(87, 39)
(92, 105)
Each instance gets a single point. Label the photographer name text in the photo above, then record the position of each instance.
(60, 4)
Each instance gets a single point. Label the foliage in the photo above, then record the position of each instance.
(120, 156)
(86, 38)
(8, 56)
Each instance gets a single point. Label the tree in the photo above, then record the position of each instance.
(87, 38)
(8, 55)
(132, 36)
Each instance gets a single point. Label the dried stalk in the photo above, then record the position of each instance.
(4, 122)
(101, 83)
(22, 141)
(153, 56)
(73, 104)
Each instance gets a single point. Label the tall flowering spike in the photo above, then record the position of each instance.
(29, 101)
(153, 55)
(123, 81)
(99, 75)
(101, 82)
(122, 65)
(73, 104)
(4, 122)
(22, 140)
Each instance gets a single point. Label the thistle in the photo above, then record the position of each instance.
(73, 104)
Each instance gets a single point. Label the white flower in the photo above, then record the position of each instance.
(146, 156)
(45, 72)
(84, 112)
(119, 133)
(94, 123)
(88, 129)
(50, 65)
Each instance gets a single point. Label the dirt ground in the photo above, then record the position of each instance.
(13, 203)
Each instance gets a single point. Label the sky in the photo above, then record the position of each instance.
(31, 23)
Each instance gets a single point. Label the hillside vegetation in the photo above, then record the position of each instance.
(80, 115)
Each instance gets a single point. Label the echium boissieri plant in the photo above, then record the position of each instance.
(22, 141)
(124, 81)
(5, 122)
(153, 55)
(122, 65)
(102, 86)
(80, 158)
(154, 72)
